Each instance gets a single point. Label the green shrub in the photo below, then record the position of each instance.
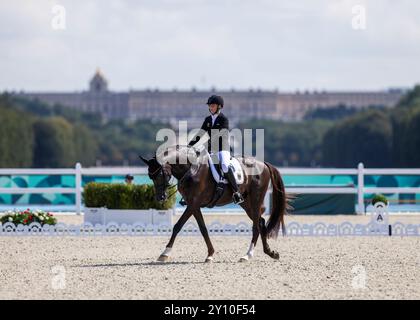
(28, 216)
(123, 196)
(379, 198)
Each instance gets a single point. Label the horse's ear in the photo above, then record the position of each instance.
(144, 160)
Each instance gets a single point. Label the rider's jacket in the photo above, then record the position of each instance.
(221, 138)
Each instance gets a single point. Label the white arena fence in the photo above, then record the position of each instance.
(360, 189)
(294, 229)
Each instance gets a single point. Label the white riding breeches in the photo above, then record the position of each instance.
(224, 160)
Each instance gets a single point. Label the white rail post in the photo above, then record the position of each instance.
(360, 189)
(78, 188)
(267, 202)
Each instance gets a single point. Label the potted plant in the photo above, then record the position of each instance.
(27, 217)
(125, 204)
(379, 219)
(379, 198)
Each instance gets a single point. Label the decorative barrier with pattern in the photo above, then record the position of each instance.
(64, 187)
(294, 229)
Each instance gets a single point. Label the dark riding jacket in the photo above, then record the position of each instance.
(222, 143)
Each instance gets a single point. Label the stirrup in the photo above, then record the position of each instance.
(182, 202)
(237, 198)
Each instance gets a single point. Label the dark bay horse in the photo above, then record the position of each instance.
(197, 186)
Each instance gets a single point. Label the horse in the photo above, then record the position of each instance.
(197, 186)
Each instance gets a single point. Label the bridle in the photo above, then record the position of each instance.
(167, 184)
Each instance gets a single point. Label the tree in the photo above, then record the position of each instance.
(366, 137)
(412, 140)
(54, 146)
(16, 138)
(411, 99)
(400, 119)
(85, 145)
(406, 130)
(291, 144)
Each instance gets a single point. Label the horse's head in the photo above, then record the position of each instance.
(160, 175)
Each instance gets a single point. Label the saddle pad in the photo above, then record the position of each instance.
(237, 170)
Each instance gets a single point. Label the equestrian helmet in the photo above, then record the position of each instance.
(215, 99)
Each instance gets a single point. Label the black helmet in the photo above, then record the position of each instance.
(215, 99)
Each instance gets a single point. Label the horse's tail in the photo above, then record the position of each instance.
(279, 205)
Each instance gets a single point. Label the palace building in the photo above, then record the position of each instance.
(171, 106)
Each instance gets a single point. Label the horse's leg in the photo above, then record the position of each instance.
(253, 210)
(253, 215)
(273, 254)
(177, 227)
(255, 234)
(203, 229)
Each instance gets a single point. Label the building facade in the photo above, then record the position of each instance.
(172, 106)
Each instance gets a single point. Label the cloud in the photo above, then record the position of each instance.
(242, 44)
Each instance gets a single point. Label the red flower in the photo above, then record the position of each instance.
(25, 221)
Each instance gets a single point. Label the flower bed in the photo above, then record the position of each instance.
(27, 217)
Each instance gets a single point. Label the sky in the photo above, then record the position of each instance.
(184, 44)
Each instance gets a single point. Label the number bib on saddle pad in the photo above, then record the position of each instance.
(217, 172)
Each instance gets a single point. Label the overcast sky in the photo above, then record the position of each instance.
(242, 44)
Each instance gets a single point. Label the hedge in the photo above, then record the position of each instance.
(123, 196)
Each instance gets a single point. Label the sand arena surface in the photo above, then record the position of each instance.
(126, 267)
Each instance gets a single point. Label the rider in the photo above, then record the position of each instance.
(218, 121)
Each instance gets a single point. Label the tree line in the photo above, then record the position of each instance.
(378, 138)
(343, 137)
(33, 134)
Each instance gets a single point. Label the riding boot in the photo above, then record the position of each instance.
(237, 196)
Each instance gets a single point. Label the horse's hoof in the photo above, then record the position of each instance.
(163, 258)
(209, 259)
(244, 259)
(275, 255)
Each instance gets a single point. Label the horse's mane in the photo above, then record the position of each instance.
(178, 154)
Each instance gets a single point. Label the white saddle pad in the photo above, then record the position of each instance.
(237, 170)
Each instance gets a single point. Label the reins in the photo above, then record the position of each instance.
(167, 184)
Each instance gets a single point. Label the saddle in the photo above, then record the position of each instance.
(218, 176)
(217, 173)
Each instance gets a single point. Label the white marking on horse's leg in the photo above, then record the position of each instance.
(209, 259)
(250, 253)
(166, 252)
(165, 255)
(251, 250)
